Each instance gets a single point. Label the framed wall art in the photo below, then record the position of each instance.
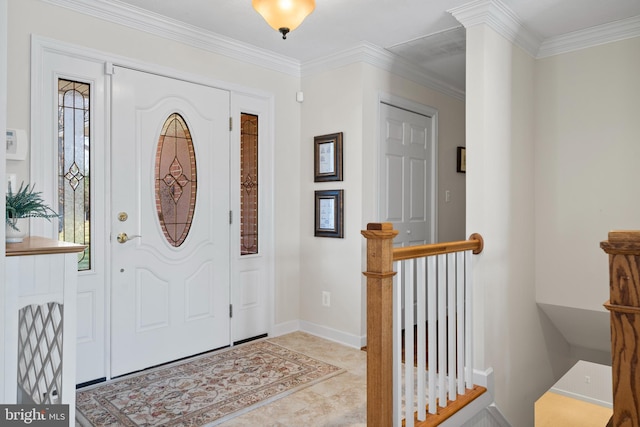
(328, 157)
(329, 213)
(461, 163)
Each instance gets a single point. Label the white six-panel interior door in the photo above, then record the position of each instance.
(407, 174)
(407, 190)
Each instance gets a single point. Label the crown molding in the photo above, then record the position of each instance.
(378, 57)
(594, 36)
(501, 19)
(140, 19)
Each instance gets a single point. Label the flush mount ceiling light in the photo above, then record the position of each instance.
(284, 15)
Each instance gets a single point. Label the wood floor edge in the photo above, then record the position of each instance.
(452, 407)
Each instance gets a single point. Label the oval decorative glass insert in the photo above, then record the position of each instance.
(176, 179)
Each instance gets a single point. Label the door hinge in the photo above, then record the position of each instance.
(230, 217)
(230, 124)
(230, 310)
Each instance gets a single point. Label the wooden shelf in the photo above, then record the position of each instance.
(35, 245)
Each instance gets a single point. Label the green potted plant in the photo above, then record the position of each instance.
(25, 203)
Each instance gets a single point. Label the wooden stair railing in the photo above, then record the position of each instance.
(380, 273)
(623, 248)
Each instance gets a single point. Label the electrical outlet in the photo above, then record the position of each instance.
(326, 299)
(587, 379)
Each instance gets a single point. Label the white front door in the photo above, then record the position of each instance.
(407, 175)
(170, 280)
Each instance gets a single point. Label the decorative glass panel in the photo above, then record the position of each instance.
(175, 176)
(74, 197)
(249, 184)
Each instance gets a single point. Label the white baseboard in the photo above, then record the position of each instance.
(285, 328)
(319, 331)
(333, 334)
(582, 397)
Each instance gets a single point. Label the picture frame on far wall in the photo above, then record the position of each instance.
(461, 163)
(329, 213)
(327, 157)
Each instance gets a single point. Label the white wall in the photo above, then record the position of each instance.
(3, 118)
(587, 381)
(35, 17)
(513, 336)
(341, 100)
(332, 103)
(587, 177)
(346, 100)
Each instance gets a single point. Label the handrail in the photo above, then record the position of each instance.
(475, 243)
(380, 273)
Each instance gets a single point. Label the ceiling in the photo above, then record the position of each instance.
(420, 31)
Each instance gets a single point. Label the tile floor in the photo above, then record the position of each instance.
(338, 401)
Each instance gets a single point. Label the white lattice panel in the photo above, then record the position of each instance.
(40, 352)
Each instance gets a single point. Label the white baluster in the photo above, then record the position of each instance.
(397, 345)
(442, 329)
(408, 341)
(422, 344)
(432, 321)
(468, 274)
(451, 326)
(460, 295)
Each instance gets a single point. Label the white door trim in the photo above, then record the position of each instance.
(43, 161)
(406, 104)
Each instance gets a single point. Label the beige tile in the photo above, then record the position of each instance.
(337, 401)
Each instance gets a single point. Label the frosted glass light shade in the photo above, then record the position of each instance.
(284, 15)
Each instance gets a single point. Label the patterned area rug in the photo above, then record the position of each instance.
(202, 391)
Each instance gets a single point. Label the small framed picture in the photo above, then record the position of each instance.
(461, 160)
(329, 213)
(328, 157)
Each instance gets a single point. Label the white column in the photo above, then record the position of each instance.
(500, 204)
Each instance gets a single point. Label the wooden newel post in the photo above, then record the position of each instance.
(623, 248)
(379, 323)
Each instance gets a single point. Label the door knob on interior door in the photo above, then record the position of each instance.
(122, 237)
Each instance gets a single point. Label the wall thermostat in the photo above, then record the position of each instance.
(16, 144)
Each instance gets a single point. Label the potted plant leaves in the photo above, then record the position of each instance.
(20, 206)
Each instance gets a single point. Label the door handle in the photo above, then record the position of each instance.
(123, 238)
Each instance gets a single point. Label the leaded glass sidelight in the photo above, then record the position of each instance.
(175, 179)
(74, 190)
(249, 184)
